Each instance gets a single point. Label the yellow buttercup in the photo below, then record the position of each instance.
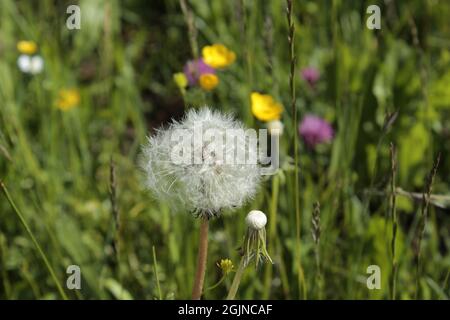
(218, 56)
(208, 81)
(27, 47)
(264, 107)
(68, 99)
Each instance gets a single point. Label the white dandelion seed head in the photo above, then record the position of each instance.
(256, 220)
(206, 181)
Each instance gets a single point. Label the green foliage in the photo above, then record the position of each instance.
(56, 163)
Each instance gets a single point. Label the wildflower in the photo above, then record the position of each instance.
(310, 75)
(264, 107)
(181, 80)
(27, 47)
(208, 81)
(275, 127)
(205, 183)
(194, 69)
(218, 56)
(315, 130)
(30, 64)
(68, 99)
(226, 265)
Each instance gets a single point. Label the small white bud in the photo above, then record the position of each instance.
(275, 127)
(256, 220)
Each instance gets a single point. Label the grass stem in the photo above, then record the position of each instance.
(33, 239)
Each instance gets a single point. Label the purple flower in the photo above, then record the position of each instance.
(310, 75)
(194, 69)
(315, 130)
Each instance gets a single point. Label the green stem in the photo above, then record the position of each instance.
(272, 233)
(155, 266)
(33, 239)
(236, 281)
(394, 222)
(292, 58)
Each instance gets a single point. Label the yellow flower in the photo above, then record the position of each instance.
(264, 107)
(208, 81)
(218, 56)
(181, 80)
(27, 47)
(68, 99)
(226, 265)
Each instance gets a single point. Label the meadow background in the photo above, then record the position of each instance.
(56, 163)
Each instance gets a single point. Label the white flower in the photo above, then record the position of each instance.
(30, 64)
(275, 127)
(256, 220)
(203, 180)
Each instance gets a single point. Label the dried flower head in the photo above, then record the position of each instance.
(204, 181)
(255, 238)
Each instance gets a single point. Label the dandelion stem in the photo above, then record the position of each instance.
(201, 260)
(33, 239)
(237, 280)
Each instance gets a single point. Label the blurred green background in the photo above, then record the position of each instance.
(56, 163)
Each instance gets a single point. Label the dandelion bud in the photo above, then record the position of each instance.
(256, 220)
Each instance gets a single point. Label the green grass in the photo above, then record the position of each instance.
(56, 165)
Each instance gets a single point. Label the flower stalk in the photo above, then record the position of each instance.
(201, 259)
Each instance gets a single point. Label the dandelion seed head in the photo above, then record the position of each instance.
(210, 184)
